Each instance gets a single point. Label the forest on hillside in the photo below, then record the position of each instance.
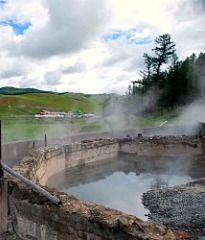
(167, 81)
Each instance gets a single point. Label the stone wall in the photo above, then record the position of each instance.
(56, 159)
(13, 152)
(167, 146)
(33, 217)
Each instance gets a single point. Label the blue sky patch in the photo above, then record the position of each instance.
(130, 36)
(113, 35)
(2, 2)
(144, 40)
(102, 77)
(17, 28)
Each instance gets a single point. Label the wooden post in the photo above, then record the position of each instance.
(45, 137)
(3, 196)
(3, 205)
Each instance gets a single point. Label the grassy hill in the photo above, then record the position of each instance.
(18, 105)
(16, 91)
(28, 101)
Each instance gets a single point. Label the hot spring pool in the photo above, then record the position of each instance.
(117, 183)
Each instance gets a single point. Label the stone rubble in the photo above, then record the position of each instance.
(181, 207)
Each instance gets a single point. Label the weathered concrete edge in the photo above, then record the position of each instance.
(102, 219)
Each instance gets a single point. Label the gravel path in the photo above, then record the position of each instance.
(181, 207)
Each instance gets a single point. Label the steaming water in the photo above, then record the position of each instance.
(117, 184)
(124, 191)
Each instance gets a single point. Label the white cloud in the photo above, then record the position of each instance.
(52, 78)
(22, 11)
(7, 40)
(71, 26)
(64, 47)
(78, 66)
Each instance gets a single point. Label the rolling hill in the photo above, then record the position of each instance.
(29, 101)
(16, 91)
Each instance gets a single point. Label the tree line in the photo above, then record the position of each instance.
(173, 82)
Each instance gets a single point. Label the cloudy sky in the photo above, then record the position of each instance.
(90, 46)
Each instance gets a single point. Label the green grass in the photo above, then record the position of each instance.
(32, 103)
(28, 127)
(21, 128)
(98, 126)
(77, 96)
(17, 111)
(98, 101)
(92, 127)
(154, 120)
(54, 102)
(15, 91)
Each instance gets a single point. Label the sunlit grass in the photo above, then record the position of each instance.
(21, 128)
(32, 103)
(27, 127)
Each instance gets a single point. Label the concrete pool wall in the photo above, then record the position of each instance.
(56, 159)
(32, 216)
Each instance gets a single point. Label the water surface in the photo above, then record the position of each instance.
(120, 184)
(124, 191)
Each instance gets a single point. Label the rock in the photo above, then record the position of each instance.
(180, 207)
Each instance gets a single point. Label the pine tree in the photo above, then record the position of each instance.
(164, 51)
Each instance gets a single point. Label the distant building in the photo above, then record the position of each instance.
(74, 114)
